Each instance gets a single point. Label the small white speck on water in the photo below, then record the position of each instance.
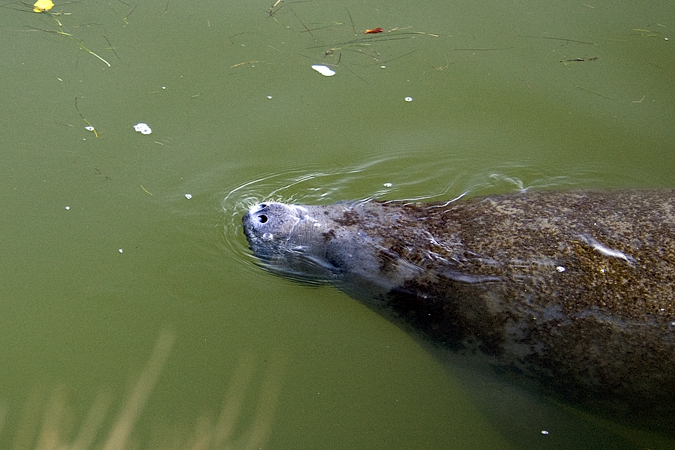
(269, 97)
(544, 432)
(121, 251)
(67, 208)
(142, 128)
(388, 185)
(188, 196)
(560, 269)
(408, 99)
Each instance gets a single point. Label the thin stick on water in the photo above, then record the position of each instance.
(274, 6)
(63, 32)
(130, 12)
(352, 21)
(303, 24)
(85, 120)
(111, 47)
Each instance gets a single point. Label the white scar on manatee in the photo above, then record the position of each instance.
(597, 246)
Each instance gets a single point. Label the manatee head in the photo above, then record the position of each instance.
(327, 243)
(287, 239)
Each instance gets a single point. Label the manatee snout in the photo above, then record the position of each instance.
(256, 218)
(269, 222)
(287, 239)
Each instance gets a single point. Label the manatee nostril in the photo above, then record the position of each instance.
(262, 218)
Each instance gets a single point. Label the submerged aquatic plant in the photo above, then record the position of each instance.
(50, 427)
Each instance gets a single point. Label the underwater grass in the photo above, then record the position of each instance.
(51, 426)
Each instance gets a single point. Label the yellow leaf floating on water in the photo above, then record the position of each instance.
(43, 5)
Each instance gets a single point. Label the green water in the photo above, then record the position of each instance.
(102, 251)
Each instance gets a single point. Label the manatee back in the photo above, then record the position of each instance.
(573, 289)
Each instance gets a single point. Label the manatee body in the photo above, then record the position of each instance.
(573, 289)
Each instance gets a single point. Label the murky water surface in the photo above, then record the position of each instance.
(116, 243)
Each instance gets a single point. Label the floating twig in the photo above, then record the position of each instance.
(85, 120)
(62, 31)
(594, 93)
(272, 11)
(130, 12)
(244, 63)
(570, 61)
(303, 24)
(111, 47)
(352, 22)
(559, 39)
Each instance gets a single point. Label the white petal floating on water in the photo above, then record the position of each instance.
(408, 99)
(323, 70)
(89, 128)
(142, 128)
(188, 196)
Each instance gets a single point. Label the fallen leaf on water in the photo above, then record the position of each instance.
(43, 5)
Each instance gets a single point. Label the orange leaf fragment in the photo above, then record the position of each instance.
(374, 30)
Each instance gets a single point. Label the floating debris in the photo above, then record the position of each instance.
(142, 128)
(89, 126)
(323, 70)
(43, 5)
(408, 99)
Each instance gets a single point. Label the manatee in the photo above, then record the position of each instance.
(574, 290)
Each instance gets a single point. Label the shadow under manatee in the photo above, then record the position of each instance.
(530, 419)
